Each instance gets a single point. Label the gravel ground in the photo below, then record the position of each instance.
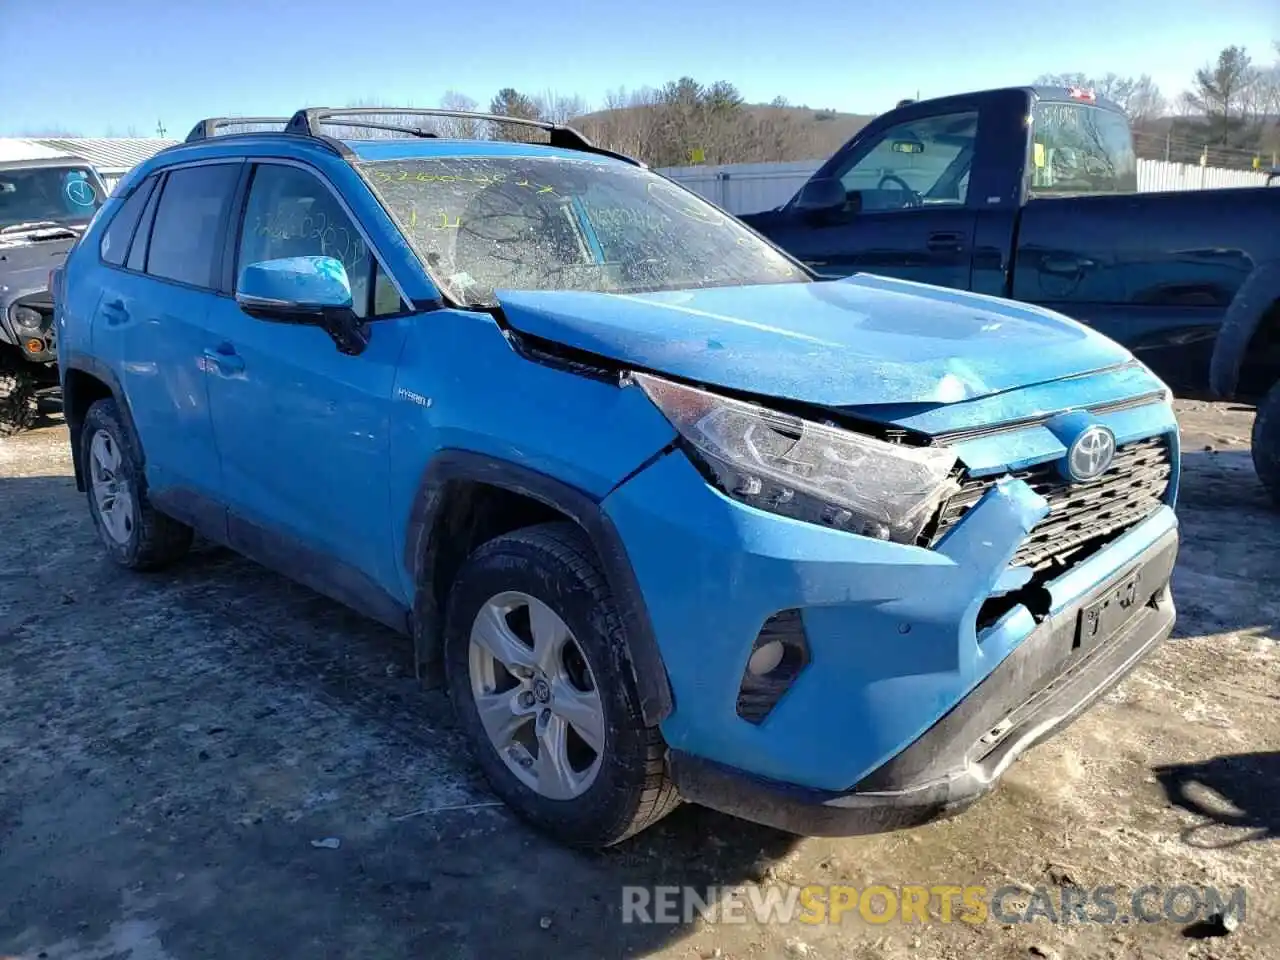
(213, 762)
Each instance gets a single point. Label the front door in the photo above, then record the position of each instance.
(908, 212)
(303, 428)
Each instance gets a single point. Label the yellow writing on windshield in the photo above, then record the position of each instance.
(484, 180)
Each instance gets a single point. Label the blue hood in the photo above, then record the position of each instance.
(858, 341)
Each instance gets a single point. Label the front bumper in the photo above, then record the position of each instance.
(1033, 693)
(892, 630)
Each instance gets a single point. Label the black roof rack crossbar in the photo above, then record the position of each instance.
(309, 122)
(208, 129)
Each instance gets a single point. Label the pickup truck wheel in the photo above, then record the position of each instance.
(1266, 443)
(535, 658)
(19, 407)
(135, 534)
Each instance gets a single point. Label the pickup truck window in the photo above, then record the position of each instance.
(1079, 149)
(918, 163)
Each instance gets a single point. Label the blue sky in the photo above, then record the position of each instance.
(96, 68)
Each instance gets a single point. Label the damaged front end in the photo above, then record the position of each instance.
(860, 632)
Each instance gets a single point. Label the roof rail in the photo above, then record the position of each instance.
(308, 122)
(208, 128)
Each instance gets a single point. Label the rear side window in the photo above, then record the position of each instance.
(115, 239)
(1078, 148)
(186, 236)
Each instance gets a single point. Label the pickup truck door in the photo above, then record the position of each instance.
(909, 213)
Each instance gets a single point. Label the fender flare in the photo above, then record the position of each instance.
(1255, 297)
(84, 363)
(644, 656)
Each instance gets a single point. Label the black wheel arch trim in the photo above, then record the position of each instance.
(1255, 298)
(85, 363)
(450, 465)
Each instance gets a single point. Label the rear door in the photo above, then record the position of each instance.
(911, 206)
(150, 323)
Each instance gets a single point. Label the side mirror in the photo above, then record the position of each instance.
(303, 290)
(821, 198)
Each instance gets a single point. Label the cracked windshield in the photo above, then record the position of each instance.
(482, 224)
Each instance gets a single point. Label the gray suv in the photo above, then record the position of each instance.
(45, 206)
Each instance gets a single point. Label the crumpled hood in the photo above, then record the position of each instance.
(853, 342)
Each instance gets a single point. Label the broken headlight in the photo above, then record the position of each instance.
(807, 470)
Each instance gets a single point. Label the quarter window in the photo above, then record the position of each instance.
(1080, 149)
(115, 239)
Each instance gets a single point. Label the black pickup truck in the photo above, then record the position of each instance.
(1031, 193)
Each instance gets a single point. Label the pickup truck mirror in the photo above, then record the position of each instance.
(820, 198)
(303, 290)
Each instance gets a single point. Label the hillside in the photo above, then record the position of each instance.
(750, 133)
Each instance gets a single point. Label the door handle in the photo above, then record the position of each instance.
(1066, 266)
(945, 241)
(224, 358)
(114, 310)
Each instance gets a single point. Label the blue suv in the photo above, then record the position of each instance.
(670, 517)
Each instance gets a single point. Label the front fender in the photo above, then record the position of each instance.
(1252, 301)
(648, 671)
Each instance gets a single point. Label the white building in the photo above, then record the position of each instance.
(112, 157)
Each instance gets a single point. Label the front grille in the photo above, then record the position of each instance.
(1079, 513)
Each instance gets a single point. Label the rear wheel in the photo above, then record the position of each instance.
(535, 656)
(135, 534)
(1266, 442)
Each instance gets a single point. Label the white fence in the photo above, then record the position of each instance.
(750, 187)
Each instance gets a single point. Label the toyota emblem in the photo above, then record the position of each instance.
(1091, 453)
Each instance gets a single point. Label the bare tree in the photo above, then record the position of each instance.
(458, 128)
(1139, 97)
(559, 108)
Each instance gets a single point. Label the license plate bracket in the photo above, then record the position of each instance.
(1108, 613)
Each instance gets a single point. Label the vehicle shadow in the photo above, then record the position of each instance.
(216, 677)
(1239, 792)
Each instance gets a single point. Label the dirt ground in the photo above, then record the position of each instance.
(174, 746)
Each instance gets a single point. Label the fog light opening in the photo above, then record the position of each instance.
(778, 656)
(766, 659)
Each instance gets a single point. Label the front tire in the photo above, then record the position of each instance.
(19, 405)
(135, 534)
(1266, 442)
(536, 665)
